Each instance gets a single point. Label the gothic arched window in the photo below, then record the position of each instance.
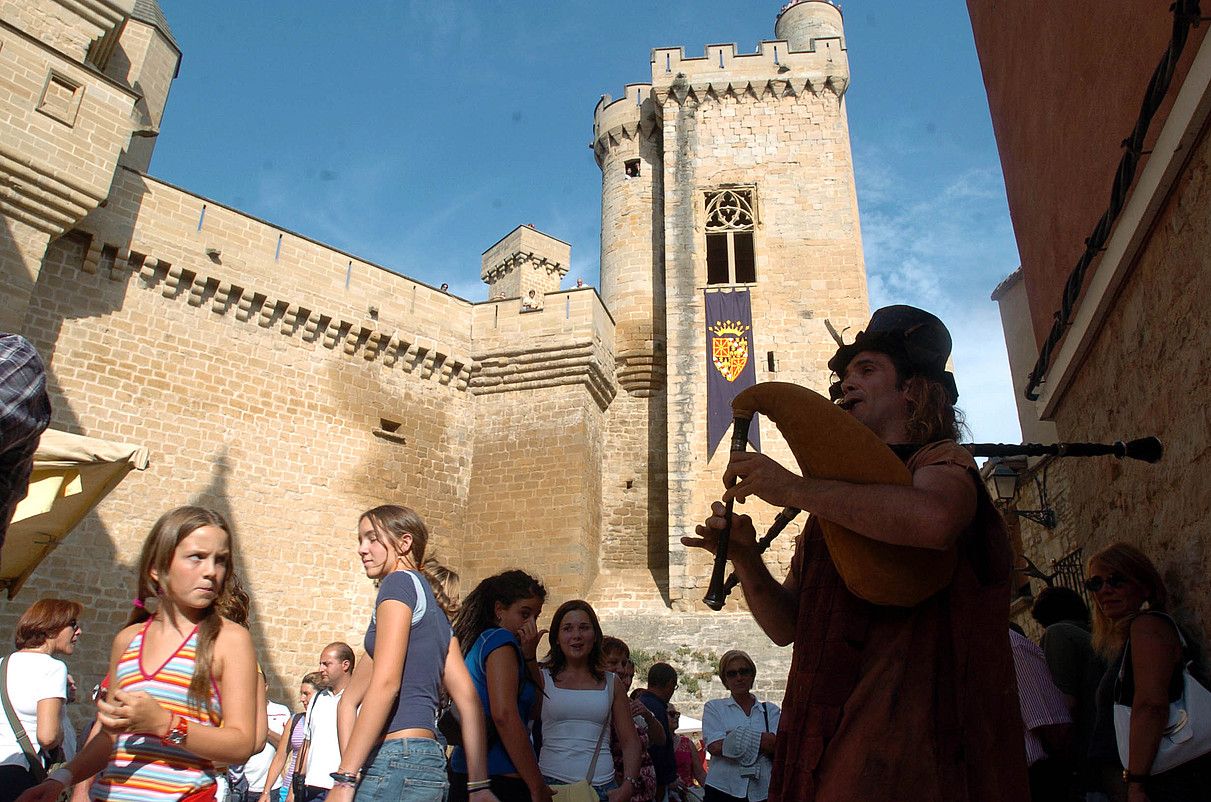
(729, 237)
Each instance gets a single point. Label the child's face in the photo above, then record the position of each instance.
(198, 568)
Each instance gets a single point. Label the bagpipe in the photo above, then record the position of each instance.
(829, 443)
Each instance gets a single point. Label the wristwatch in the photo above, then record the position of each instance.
(1128, 777)
(177, 732)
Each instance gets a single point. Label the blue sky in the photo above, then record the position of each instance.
(415, 133)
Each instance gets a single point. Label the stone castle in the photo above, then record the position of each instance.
(291, 385)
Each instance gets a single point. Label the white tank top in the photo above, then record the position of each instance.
(571, 727)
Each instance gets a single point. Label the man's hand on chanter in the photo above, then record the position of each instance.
(762, 477)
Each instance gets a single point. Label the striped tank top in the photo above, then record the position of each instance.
(141, 768)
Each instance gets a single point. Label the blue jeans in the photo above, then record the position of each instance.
(404, 770)
(602, 790)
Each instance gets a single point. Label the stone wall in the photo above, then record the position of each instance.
(147, 62)
(634, 552)
(62, 127)
(279, 434)
(544, 381)
(1147, 373)
(291, 386)
(74, 29)
(692, 643)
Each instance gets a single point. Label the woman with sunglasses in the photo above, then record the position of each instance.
(1131, 608)
(739, 734)
(36, 686)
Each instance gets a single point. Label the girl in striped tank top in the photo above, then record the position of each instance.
(183, 677)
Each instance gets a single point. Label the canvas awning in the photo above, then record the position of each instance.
(72, 473)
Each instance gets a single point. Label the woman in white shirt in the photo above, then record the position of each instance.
(579, 698)
(739, 734)
(36, 686)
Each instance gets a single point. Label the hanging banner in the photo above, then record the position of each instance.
(729, 362)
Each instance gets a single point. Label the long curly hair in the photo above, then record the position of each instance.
(231, 602)
(478, 610)
(931, 416)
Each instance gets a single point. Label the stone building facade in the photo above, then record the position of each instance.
(291, 385)
(1133, 361)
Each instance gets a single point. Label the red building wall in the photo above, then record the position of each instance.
(1065, 81)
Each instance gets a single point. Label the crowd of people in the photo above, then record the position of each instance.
(929, 699)
(448, 700)
(452, 701)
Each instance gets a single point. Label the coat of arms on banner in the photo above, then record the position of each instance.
(729, 348)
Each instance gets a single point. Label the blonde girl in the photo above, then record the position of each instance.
(183, 676)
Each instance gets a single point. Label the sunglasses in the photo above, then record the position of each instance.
(1095, 583)
(732, 673)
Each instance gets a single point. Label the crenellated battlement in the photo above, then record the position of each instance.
(774, 64)
(628, 117)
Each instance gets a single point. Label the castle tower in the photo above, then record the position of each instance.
(525, 259)
(147, 60)
(742, 165)
(629, 150)
(63, 124)
(802, 23)
(628, 147)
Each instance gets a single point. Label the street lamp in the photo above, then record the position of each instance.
(1005, 482)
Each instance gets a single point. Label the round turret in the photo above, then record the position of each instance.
(803, 21)
(628, 150)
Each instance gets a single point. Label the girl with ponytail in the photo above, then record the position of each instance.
(497, 627)
(183, 675)
(391, 752)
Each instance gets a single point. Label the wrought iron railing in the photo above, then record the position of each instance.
(1066, 572)
(1069, 572)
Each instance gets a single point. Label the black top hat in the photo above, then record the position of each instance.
(916, 340)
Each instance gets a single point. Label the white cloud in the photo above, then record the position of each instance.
(981, 369)
(942, 241)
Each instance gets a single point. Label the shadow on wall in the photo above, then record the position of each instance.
(414, 455)
(216, 497)
(658, 495)
(85, 567)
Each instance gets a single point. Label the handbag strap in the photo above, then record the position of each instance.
(1185, 662)
(35, 763)
(1186, 658)
(765, 712)
(605, 725)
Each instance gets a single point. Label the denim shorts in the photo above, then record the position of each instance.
(404, 770)
(602, 790)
